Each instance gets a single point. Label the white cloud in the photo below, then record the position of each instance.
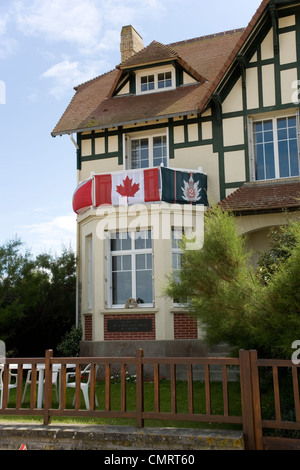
(91, 27)
(3, 22)
(7, 45)
(60, 20)
(67, 74)
(51, 235)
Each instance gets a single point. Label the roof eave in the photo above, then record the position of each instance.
(125, 123)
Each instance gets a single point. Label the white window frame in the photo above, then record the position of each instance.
(274, 119)
(90, 272)
(132, 252)
(176, 238)
(139, 136)
(155, 72)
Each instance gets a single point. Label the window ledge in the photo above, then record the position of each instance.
(291, 179)
(123, 311)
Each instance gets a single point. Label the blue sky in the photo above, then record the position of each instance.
(46, 48)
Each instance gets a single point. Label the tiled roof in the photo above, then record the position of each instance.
(155, 52)
(266, 196)
(207, 58)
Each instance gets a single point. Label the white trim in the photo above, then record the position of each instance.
(155, 72)
(90, 271)
(150, 137)
(132, 252)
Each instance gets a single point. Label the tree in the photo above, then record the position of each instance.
(37, 299)
(235, 303)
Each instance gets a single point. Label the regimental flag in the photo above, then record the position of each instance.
(183, 187)
(83, 196)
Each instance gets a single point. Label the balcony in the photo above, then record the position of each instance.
(142, 186)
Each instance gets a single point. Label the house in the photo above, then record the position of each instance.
(170, 130)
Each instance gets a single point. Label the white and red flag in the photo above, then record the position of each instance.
(132, 187)
(117, 189)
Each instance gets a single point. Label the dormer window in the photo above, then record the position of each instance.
(159, 79)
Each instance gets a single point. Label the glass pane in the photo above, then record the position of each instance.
(292, 133)
(121, 288)
(264, 150)
(258, 126)
(139, 153)
(126, 262)
(282, 134)
(159, 150)
(120, 241)
(294, 158)
(268, 136)
(267, 126)
(292, 122)
(288, 147)
(115, 243)
(149, 261)
(147, 83)
(125, 241)
(140, 262)
(281, 123)
(258, 138)
(144, 287)
(116, 263)
(143, 240)
(284, 170)
(260, 165)
(269, 161)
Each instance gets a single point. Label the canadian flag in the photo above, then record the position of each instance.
(130, 187)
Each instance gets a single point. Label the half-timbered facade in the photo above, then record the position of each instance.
(170, 130)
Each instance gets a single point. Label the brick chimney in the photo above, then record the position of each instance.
(131, 42)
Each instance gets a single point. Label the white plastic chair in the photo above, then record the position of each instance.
(54, 382)
(10, 385)
(83, 385)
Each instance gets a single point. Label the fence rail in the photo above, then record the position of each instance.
(247, 365)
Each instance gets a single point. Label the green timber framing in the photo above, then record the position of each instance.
(277, 9)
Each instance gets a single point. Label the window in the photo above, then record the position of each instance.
(160, 80)
(147, 83)
(131, 268)
(177, 235)
(164, 80)
(276, 148)
(148, 152)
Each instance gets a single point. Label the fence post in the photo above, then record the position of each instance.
(48, 386)
(247, 400)
(139, 388)
(256, 401)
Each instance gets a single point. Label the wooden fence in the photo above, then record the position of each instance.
(247, 366)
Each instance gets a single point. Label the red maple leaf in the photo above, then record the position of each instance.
(128, 189)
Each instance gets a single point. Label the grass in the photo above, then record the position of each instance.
(165, 405)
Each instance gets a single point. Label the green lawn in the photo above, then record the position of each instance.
(165, 404)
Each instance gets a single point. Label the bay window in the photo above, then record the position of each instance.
(131, 268)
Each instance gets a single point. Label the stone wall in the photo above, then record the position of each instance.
(116, 438)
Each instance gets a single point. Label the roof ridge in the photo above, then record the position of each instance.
(208, 36)
(167, 47)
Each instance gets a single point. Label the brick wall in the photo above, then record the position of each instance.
(127, 335)
(88, 328)
(185, 327)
